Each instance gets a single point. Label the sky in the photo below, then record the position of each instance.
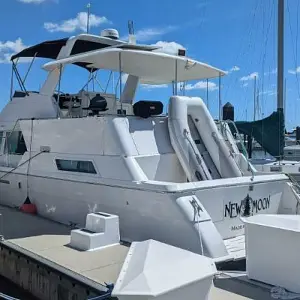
(237, 36)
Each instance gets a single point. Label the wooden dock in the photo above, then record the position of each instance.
(35, 254)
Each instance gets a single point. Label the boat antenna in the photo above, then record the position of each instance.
(131, 36)
(88, 17)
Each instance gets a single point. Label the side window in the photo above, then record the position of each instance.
(15, 143)
(2, 140)
(75, 166)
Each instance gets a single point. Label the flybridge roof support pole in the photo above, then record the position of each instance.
(120, 71)
(12, 82)
(51, 82)
(29, 68)
(58, 95)
(130, 88)
(176, 79)
(220, 100)
(207, 103)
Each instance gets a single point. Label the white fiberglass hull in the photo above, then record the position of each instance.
(292, 168)
(149, 210)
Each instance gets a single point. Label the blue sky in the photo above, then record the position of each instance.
(238, 36)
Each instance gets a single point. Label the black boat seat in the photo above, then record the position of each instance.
(146, 109)
(98, 103)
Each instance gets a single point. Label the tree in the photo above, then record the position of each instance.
(247, 206)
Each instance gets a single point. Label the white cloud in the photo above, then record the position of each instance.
(78, 23)
(245, 84)
(271, 92)
(168, 47)
(148, 34)
(233, 69)
(249, 77)
(202, 85)
(272, 72)
(297, 70)
(32, 1)
(9, 48)
(153, 86)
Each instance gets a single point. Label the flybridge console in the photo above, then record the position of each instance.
(86, 103)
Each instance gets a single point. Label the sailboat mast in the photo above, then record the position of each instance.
(280, 78)
(280, 56)
(254, 100)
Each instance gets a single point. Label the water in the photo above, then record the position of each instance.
(11, 289)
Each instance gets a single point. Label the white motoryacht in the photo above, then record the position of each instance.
(171, 177)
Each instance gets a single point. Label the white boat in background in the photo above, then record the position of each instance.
(174, 178)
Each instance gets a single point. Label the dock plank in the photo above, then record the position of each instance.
(49, 241)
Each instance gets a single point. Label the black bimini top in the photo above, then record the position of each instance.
(48, 49)
(51, 49)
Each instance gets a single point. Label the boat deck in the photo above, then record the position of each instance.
(48, 242)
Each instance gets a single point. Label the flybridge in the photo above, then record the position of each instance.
(150, 67)
(73, 47)
(79, 44)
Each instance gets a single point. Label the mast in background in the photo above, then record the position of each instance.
(280, 57)
(280, 77)
(254, 100)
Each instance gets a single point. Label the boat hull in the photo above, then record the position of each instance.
(147, 210)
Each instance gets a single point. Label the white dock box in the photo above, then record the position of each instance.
(153, 270)
(272, 250)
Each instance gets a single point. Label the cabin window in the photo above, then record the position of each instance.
(2, 140)
(15, 143)
(75, 166)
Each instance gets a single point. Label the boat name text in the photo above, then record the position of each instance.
(234, 209)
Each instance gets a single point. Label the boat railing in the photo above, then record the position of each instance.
(225, 129)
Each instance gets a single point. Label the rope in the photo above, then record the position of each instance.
(197, 210)
(106, 295)
(23, 163)
(294, 54)
(243, 49)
